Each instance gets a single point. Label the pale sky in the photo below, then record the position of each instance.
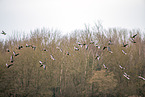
(69, 15)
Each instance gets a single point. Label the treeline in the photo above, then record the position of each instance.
(86, 72)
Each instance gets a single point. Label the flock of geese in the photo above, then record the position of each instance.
(42, 64)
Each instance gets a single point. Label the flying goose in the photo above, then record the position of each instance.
(134, 36)
(104, 47)
(79, 43)
(59, 49)
(91, 42)
(44, 49)
(132, 40)
(126, 75)
(81, 46)
(121, 67)
(3, 32)
(11, 59)
(109, 49)
(33, 47)
(44, 66)
(86, 46)
(27, 45)
(15, 53)
(105, 66)
(67, 53)
(84, 43)
(109, 43)
(8, 66)
(41, 64)
(97, 56)
(97, 46)
(76, 49)
(7, 50)
(141, 77)
(124, 52)
(124, 45)
(19, 47)
(52, 57)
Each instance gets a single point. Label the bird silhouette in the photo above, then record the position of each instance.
(109, 49)
(59, 49)
(3, 33)
(33, 47)
(84, 43)
(76, 49)
(97, 56)
(7, 50)
(8, 66)
(104, 47)
(15, 53)
(141, 77)
(19, 47)
(42, 64)
(86, 46)
(105, 66)
(79, 43)
(109, 43)
(124, 52)
(121, 67)
(124, 45)
(97, 46)
(134, 36)
(11, 59)
(91, 42)
(126, 75)
(52, 57)
(67, 53)
(44, 49)
(133, 40)
(27, 45)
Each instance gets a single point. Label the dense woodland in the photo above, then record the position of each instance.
(87, 63)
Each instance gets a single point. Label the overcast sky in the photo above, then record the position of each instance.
(68, 15)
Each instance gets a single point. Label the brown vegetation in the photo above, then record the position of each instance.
(79, 73)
